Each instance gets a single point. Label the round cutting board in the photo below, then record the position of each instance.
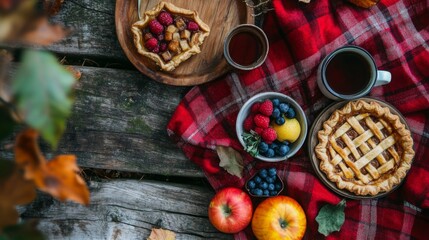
(313, 141)
(220, 15)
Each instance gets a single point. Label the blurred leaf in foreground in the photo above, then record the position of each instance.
(14, 190)
(23, 231)
(58, 177)
(42, 90)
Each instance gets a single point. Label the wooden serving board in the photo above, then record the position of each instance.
(220, 15)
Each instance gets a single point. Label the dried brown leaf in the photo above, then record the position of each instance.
(5, 63)
(44, 33)
(52, 7)
(76, 73)
(58, 177)
(14, 190)
(161, 234)
(364, 3)
(230, 160)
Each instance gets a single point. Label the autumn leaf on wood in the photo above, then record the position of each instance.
(58, 177)
(364, 3)
(23, 24)
(42, 89)
(14, 190)
(230, 160)
(43, 33)
(52, 7)
(161, 234)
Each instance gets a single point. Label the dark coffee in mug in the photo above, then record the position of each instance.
(348, 73)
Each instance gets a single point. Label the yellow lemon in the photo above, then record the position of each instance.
(289, 131)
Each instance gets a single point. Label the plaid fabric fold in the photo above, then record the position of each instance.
(396, 33)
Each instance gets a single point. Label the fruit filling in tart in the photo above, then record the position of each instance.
(364, 148)
(169, 35)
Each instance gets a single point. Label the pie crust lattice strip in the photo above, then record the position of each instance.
(364, 148)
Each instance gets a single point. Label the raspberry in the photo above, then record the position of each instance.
(193, 26)
(255, 107)
(151, 44)
(156, 27)
(156, 49)
(266, 108)
(248, 123)
(261, 121)
(258, 130)
(269, 135)
(163, 47)
(165, 18)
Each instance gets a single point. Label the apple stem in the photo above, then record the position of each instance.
(283, 223)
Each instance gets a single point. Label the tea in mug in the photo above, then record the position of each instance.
(245, 48)
(348, 73)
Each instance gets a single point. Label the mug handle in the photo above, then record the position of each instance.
(383, 78)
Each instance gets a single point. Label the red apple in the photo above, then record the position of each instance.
(230, 210)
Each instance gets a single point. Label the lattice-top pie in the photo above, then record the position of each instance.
(364, 148)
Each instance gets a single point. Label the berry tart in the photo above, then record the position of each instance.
(169, 35)
(364, 148)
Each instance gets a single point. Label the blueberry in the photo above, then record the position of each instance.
(257, 192)
(276, 113)
(273, 193)
(286, 142)
(257, 179)
(266, 192)
(272, 172)
(271, 187)
(276, 102)
(290, 113)
(274, 145)
(263, 173)
(280, 121)
(270, 153)
(284, 107)
(251, 184)
(263, 185)
(271, 179)
(278, 185)
(282, 150)
(263, 147)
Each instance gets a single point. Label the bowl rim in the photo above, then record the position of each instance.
(269, 95)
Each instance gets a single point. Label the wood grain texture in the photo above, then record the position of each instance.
(220, 15)
(119, 122)
(127, 209)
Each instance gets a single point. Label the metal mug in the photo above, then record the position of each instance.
(376, 77)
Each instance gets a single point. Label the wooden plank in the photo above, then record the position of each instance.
(93, 24)
(127, 209)
(119, 122)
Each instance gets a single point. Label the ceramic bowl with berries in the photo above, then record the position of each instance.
(271, 126)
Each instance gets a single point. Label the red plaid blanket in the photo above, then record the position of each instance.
(396, 33)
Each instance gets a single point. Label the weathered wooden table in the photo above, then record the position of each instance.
(119, 123)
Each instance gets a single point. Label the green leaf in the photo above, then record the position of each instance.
(7, 123)
(251, 141)
(230, 160)
(331, 218)
(42, 89)
(24, 231)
